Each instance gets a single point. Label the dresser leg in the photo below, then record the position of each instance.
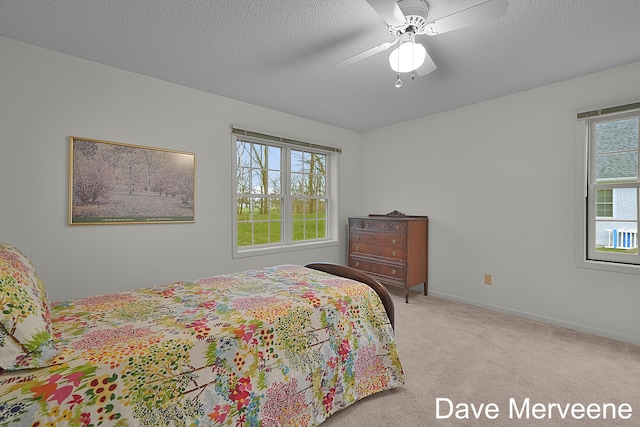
(406, 296)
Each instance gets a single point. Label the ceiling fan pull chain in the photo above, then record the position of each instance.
(398, 81)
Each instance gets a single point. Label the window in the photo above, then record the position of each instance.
(308, 194)
(604, 203)
(611, 185)
(283, 196)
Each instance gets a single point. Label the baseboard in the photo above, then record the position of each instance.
(544, 319)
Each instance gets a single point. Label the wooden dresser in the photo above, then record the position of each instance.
(392, 248)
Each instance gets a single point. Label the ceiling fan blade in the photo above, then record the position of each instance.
(428, 67)
(473, 15)
(389, 11)
(367, 53)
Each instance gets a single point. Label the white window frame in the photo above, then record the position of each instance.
(288, 244)
(585, 224)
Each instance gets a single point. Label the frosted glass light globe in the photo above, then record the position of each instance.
(407, 57)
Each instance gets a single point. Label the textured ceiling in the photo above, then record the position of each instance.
(281, 54)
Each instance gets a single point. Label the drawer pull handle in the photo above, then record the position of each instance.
(357, 237)
(394, 241)
(357, 264)
(393, 253)
(357, 247)
(393, 271)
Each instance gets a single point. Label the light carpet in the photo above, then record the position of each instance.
(470, 355)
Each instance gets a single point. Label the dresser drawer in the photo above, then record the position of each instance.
(355, 223)
(394, 253)
(377, 225)
(378, 239)
(399, 226)
(368, 224)
(395, 272)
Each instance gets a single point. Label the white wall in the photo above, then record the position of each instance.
(45, 97)
(497, 181)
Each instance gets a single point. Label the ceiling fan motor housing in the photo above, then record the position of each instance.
(415, 12)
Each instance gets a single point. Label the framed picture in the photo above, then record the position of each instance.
(116, 183)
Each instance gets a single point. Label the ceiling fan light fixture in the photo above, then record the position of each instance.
(407, 57)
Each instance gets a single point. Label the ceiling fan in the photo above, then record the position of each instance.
(408, 19)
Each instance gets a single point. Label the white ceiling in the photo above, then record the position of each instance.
(280, 54)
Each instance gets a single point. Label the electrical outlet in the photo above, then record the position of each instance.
(488, 279)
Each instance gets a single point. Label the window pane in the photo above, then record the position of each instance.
(311, 229)
(275, 209)
(244, 154)
(322, 229)
(273, 220)
(617, 151)
(297, 161)
(319, 187)
(298, 184)
(274, 158)
(322, 209)
(243, 182)
(298, 207)
(275, 231)
(243, 209)
(245, 234)
(258, 184)
(317, 174)
(319, 166)
(260, 209)
(259, 153)
(620, 233)
(261, 233)
(311, 211)
(244, 220)
(322, 218)
(274, 182)
(298, 229)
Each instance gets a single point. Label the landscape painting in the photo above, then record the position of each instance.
(116, 183)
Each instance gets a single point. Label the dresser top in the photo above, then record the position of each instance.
(393, 217)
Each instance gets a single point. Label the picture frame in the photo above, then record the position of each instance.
(118, 183)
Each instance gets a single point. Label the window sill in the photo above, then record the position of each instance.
(267, 250)
(609, 266)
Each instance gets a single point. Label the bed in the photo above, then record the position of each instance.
(286, 345)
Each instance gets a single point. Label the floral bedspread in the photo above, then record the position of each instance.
(279, 346)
